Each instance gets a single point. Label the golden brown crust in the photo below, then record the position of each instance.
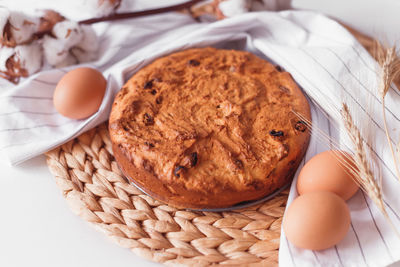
(208, 128)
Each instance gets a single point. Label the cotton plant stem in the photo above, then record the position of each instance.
(128, 15)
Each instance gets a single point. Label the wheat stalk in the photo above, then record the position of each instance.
(365, 174)
(390, 67)
(364, 171)
(389, 70)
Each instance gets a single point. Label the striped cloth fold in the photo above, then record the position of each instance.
(321, 55)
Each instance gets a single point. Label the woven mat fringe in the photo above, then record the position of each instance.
(96, 190)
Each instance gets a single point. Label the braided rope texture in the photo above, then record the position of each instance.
(95, 189)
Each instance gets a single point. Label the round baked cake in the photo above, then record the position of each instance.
(209, 128)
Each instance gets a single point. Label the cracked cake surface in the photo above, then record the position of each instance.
(209, 128)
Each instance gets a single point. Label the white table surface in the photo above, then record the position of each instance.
(36, 225)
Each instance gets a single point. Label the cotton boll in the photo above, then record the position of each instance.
(232, 8)
(16, 27)
(81, 44)
(49, 18)
(89, 41)
(30, 57)
(22, 26)
(54, 50)
(106, 7)
(69, 32)
(68, 60)
(86, 50)
(22, 55)
(5, 54)
(4, 15)
(20, 61)
(100, 8)
(82, 55)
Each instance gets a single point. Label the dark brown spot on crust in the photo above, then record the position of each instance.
(150, 145)
(255, 184)
(189, 161)
(300, 126)
(279, 68)
(148, 119)
(193, 62)
(124, 91)
(153, 92)
(193, 159)
(238, 163)
(147, 166)
(148, 84)
(159, 100)
(133, 108)
(178, 170)
(275, 133)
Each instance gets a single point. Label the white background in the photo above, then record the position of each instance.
(36, 225)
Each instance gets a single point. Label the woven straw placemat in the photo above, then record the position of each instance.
(95, 189)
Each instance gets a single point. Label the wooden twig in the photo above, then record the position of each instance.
(129, 15)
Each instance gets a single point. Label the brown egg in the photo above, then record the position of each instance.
(317, 220)
(325, 172)
(79, 93)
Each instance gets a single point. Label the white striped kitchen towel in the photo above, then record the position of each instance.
(321, 55)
